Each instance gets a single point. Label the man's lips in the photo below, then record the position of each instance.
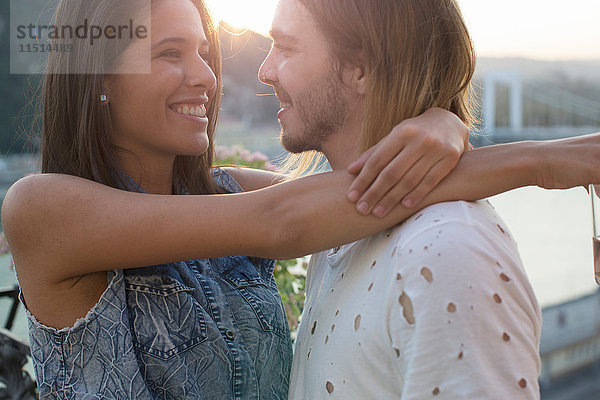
(285, 101)
(283, 97)
(284, 106)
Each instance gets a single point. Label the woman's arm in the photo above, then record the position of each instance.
(62, 226)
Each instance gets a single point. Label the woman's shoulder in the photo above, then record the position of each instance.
(20, 198)
(40, 210)
(34, 195)
(36, 186)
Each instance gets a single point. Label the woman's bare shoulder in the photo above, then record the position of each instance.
(36, 207)
(38, 196)
(37, 186)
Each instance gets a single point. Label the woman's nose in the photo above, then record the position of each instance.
(200, 74)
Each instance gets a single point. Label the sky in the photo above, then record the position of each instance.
(538, 29)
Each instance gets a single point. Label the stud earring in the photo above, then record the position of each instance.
(103, 98)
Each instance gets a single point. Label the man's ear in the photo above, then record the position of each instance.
(359, 79)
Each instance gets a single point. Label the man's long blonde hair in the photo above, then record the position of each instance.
(417, 54)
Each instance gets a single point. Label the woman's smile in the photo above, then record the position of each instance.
(191, 112)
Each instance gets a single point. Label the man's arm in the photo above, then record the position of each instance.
(463, 319)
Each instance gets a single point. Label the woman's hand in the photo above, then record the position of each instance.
(569, 162)
(408, 163)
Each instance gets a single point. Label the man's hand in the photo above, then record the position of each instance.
(408, 163)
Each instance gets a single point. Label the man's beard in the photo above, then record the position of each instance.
(322, 110)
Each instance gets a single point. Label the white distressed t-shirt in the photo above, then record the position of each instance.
(438, 307)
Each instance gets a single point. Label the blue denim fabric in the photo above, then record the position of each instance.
(203, 329)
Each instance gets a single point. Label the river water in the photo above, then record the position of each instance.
(553, 229)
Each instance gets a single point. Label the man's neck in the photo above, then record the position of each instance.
(341, 153)
(343, 147)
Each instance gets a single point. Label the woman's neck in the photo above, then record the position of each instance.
(154, 176)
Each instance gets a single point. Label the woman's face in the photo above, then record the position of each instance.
(163, 114)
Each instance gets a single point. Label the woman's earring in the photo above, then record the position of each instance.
(103, 98)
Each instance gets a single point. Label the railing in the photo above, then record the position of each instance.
(15, 382)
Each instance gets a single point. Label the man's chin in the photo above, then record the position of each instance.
(296, 144)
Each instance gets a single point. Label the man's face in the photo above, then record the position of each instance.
(303, 74)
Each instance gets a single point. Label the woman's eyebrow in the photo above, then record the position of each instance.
(203, 43)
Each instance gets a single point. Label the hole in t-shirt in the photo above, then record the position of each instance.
(407, 307)
(329, 387)
(427, 274)
(523, 383)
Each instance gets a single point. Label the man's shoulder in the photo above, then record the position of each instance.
(469, 219)
(450, 247)
(467, 235)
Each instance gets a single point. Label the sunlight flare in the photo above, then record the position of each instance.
(255, 15)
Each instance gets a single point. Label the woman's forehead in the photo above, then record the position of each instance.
(176, 18)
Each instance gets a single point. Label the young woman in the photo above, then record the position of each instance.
(113, 310)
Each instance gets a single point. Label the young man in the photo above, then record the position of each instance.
(440, 305)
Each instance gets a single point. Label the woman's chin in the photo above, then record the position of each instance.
(197, 148)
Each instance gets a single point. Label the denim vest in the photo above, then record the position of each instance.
(201, 329)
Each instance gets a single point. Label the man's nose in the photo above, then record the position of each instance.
(267, 73)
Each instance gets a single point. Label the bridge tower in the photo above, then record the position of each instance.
(514, 81)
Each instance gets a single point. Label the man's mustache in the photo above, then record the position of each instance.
(281, 94)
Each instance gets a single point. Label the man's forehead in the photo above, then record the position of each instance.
(291, 21)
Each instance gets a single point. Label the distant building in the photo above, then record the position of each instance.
(570, 338)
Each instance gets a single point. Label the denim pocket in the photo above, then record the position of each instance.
(165, 317)
(263, 297)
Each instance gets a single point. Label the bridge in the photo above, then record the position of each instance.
(533, 109)
(570, 349)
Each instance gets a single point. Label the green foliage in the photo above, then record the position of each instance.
(290, 276)
(239, 156)
(4, 249)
